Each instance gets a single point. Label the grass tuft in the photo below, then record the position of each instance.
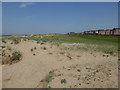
(16, 56)
(49, 79)
(63, 81)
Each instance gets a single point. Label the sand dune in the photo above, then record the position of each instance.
(47, 65)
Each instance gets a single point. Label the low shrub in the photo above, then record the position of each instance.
(35, 48)
(34, 54)
(3, 46)
(16, 56)
(44, 48)
(63, 81)
(78, 70)
(49, 79)
(3, 41)
(31, 50)
(15, 41)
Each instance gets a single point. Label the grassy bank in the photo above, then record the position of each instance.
(89, 39)
(107, 44)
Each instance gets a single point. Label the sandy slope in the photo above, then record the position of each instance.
(0, 68)
(0, 76)
(79, 69)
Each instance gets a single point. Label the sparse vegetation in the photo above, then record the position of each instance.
(49, 86)
(41, 43)
(44, 48)
(106, 44)
(63, 81)
(68, 64)
(78, 56)
(3, 47)
(62, 53)
(78, 70)
(35, 48)
(9, 49)
(51, 72)
(38, 42)
(34, 54)
(69, 57)
(50, 53)
(3, 52)
(3, 41)
(31, 50)
(49, 78)
(11, 57)
(16, 56)
(16, 41)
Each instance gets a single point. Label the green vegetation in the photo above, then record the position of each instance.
(34, 54)
(16, 56)
(15, 41)
(49, 86)
(49, 79)
(89, 39)
(3, 46)
(3, 41)
(44, 48)
(78, 70)
(106, 44)
(31, 50)
(63, 81)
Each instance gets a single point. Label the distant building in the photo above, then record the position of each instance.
(116, 31)
(71, 33)
(109, 32)
(81, 33)
(101, 32)
(92, 32)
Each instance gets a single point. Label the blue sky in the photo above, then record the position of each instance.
(59, 17)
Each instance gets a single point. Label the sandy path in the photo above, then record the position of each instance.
(33, 68)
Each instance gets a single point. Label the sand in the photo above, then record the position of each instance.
(51, 64)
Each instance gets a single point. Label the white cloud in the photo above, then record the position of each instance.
(23, 5)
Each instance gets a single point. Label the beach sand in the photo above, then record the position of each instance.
(52, 66)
